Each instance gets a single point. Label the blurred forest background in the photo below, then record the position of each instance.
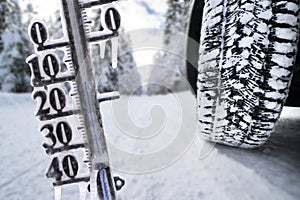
(168, 15)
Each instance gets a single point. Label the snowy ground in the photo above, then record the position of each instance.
(270, 172)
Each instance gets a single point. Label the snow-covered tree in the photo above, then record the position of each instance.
(15, 47)
(55, 26)
(176, 18)
(28, 13)
(170, 72)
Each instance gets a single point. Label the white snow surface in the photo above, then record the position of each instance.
(270, 172)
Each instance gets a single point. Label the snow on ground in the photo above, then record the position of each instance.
(269, 172)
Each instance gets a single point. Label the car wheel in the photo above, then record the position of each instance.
(246, 57)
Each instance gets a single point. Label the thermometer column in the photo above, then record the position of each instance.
(88, 99)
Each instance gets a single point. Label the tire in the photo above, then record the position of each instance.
(247, 54)
(192, 50)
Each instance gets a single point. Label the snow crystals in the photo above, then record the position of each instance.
(246, 42)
